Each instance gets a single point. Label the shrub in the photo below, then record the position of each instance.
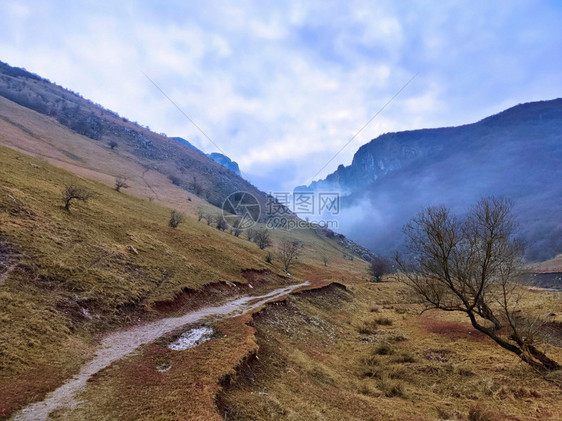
(262, 238)
(269, 257)
(176, 218)
(121, 183)
(480, 413)
(397, 337)
(367, 327)
(176, 181)
(465, 371)
(221, 223)
(74, 192)
(404, 357)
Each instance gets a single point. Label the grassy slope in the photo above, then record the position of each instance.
(552, 265)
(41, 136)
(74, 274)
(317, 364)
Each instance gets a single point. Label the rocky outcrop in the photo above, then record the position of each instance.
(516, 153)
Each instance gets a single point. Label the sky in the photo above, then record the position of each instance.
(282, 87)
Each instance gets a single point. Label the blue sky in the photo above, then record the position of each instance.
(281, 87)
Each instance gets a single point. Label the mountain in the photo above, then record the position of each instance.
(188, 144)
(226, 162)
(219, 158)
(516, 153)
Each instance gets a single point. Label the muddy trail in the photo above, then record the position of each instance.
(119, 344)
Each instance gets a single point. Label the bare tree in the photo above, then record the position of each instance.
(262, 238)
(250, 234)
(377, 268)
(121, 183)
(221, 223)
(236, 230)
(176, 218)
(470, 265)
(325, 260)
(209, 218)
(74, 192)
(289, 250)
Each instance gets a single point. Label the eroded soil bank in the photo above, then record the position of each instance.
(119, 344)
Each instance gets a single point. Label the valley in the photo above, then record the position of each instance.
(93, 295)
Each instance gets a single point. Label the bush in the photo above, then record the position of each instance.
(397, 337)
(480, 413)
(262, 238)
(176, 218)
(269, 257)
(176, 181)
(74, 192)
(121, 183)
(221, 223)
(367, 327)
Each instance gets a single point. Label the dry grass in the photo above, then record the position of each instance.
(552, 265)
(425, 375)
(76, 275)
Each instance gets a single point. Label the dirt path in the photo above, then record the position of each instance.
(117, 345)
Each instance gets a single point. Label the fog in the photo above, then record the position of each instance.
(516, 154)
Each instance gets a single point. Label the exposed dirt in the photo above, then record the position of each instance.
(191, 299)
(284, 316)
(116, 345)
(453, 330)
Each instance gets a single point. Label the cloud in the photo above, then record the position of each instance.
(282, 87)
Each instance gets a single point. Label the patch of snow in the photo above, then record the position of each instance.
(192, 338)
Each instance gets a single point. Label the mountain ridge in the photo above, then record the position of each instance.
(516, 153)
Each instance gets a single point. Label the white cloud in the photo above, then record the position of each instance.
(281, 87)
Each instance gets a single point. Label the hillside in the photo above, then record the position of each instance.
(219, 158)
(67, 277)
(516, 153)
(165, 170)
(100, 128)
